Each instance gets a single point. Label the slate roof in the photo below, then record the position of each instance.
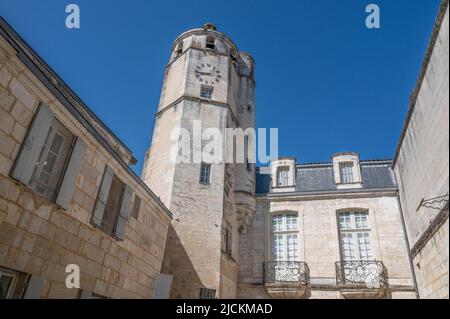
(320, 177)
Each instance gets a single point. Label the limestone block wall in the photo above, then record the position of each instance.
(422, 166)
(431, 265)
(422, 163)
(41, 239)
(319, 238)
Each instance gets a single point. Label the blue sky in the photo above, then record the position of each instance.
(326, 81)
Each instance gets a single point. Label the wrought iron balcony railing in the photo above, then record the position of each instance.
(286, 272)
(361, 274)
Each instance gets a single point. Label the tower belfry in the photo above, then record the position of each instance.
(208, 80)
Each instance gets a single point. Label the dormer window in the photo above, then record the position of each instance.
(283, 176)
(347, 173)
(346, 170)
(210, 43)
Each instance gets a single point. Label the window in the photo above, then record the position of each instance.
(228, 242)
(16, 285)
(179, 48)
(246, 151)
(210, 43)
(206, 92)
(136, 207)
(205, 173)
(346, 172)
(283, 176)
(206, 293)
(7, 283)
(113, 205)
(233, 57)
(52, 157)
(355, 236)
(285, 237)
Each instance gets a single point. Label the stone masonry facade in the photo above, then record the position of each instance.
(344, 229)
(38, 239)
(422, 166)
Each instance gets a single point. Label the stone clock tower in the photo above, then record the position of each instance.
(207, 80)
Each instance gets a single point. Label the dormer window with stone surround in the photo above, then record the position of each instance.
(283, 176)
(347, 171)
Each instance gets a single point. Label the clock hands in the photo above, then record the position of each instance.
(203, 73)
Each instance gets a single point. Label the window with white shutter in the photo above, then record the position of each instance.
(113, 205)
(50, 158)
(49, 166)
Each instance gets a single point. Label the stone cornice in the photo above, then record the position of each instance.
(322, 195)
(198, 100)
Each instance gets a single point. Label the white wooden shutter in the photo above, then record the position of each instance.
(123, 212)
(102, 196)
(67, 187)
(34, 287)
(29, 153)
(163, 285)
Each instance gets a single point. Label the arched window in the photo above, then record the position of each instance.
(285, 237)
(355, 236)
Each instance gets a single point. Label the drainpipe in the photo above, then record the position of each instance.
(405, 233)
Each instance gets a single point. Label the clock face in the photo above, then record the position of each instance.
(207, 73)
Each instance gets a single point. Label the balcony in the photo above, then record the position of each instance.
(362, 279)
(286, 279)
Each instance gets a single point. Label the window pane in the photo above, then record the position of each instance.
(364, 246)
(348, 247)
(206, 92)
(346, 172)
(361, 220)
(49, 163)
(278, 248)
(283, 176)
(5, 285)
(205, 172)
(291, 221)
(292, 247)
(277, 223)
(344, 221)
(56, 144)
